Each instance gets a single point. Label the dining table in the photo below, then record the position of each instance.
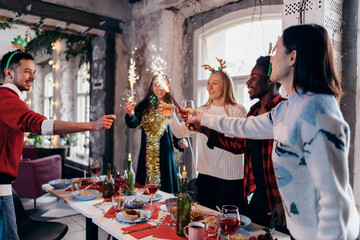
(99, 213)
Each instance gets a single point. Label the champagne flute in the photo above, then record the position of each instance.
(95, 167)
(188, 104)
(230, 219)
(152, 184)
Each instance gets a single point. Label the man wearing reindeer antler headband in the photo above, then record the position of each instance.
(18, 69)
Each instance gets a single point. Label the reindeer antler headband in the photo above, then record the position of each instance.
(220, 68)
(19, 42)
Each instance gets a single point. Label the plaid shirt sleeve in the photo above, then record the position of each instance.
(239, 145)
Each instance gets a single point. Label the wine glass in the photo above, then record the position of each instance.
(152, 184)
(75, 184)
(229, 219)
(120, 181)
(188, 104)
(95, 167)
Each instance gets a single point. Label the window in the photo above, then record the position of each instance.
(48, 95)
(239, 42)
(82, 100)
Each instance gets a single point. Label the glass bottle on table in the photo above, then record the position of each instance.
(179, 180)
(108, 183)
(183, 209)
(130, 178)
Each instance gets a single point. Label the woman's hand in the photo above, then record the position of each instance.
(183, 143)
(191, 116)
(279, 215)
(129, 107)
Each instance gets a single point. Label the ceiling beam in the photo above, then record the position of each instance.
(62, 13)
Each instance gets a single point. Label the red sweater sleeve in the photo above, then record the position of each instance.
(16, 115)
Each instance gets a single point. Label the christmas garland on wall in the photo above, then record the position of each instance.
(75, 45)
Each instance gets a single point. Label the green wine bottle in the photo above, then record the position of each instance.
(108, 183)
(130, 178)
(183, 209)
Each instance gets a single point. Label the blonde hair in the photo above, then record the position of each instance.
(228, 95)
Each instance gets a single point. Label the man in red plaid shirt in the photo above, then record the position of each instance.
(259, 174)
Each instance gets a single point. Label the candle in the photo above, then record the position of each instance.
(129, 157)
(184, 173)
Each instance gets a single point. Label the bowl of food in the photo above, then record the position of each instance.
(240, 234)
(60, 183)
(135, 201)
(85, 195)
(87, 180)
(170, 202)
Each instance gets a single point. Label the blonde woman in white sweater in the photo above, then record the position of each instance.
(221, 173)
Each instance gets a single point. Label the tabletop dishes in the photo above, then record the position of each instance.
(87, 180)
(170, 202)
(244, 221)
(135, 201)
(85, 195)
(144, 217)
(240, 234)
(60, 183)
(156, 197)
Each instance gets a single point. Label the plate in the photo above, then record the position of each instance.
(85, 198)
(156, 197)
(246, 220)
(87, 180)
(60, 183)
(144, 217)
(241, 234)
(135, 205)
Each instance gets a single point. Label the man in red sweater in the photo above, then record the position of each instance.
(18, 69)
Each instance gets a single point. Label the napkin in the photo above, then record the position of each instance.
(110, 213)
(153, 209)
(142, 233)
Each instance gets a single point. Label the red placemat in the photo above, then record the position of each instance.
(142, 233)
(165, 232)
(95, 186)
(154, 214)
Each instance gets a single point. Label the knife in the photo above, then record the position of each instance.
(135, 230)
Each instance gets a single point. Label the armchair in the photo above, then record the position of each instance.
(34, 173)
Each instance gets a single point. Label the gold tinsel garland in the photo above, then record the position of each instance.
(154, 125)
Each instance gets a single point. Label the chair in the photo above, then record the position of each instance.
(34, 173)
(29, 229)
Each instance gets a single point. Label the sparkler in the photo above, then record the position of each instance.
(164, 86)
(132, 78)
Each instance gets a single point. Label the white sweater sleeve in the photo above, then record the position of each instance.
(326, 155)
(259, 127)
(178, 129)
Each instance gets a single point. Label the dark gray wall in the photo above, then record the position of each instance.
(349, 70)
(102, 96)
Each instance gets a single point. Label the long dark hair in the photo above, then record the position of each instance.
(145, 104)
(314, 67)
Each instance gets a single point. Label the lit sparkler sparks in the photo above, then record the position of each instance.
(132, 78)
(162, 83)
